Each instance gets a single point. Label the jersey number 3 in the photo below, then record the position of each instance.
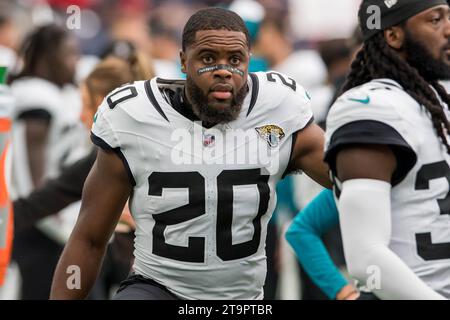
(195, 183)
(425, 247)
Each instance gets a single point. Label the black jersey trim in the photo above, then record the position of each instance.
(105, 146)
(35, 113)
(179, 82)
(137, 278)
(373, 132)
(255, 91)
(152, 98)
(388, 83)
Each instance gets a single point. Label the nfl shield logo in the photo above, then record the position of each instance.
(208, 140)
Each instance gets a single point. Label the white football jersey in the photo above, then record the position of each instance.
(381, 112)
(67, 142)
(64, 106)
(202, 198)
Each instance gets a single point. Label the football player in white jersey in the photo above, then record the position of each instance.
(387, 146)
(47, 134)
(200, 221)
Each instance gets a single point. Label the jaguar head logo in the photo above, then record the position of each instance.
(272, 134)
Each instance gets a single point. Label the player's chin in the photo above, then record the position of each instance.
(220, 104)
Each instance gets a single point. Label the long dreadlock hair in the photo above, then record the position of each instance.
(43, 43)
(377, 60)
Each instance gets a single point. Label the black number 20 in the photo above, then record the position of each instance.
(195, 182)
(425, 247)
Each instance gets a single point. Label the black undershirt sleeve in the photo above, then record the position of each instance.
(375, 133)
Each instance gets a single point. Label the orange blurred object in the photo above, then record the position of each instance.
(126, 222)
(6, 214)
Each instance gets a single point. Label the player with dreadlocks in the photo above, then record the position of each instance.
(387, 146)
(45, 133)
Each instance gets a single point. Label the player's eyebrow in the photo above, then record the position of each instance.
(207, 50)
(238, 51)
(440, 10)
(214, 51)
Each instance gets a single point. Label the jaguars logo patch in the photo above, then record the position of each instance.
(272, 134)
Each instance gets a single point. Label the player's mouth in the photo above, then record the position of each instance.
(447, 55)
(221, 91)
(446, 49)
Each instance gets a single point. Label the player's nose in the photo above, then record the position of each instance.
(447, 29)
(222, 73)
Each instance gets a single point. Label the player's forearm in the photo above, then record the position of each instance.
(77, 269)
(36, 142)
(365, 218)
(386, 275)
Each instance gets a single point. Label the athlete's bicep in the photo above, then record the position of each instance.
(36, 137)
(308, 154)
(106, 190)
(366, 162)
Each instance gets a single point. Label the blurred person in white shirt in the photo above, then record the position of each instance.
(48, 136)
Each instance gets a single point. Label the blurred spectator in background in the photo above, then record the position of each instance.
(46, 132)
(130, 23)
(122, 64)
(165, 49)
(9, 40)
(253, 14)
(305, 66)
(338, 55)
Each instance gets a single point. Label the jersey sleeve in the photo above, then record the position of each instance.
(297, 103)
(105, 135)
(369, 115)
(102, 133)
(35, 98)
(278, 99)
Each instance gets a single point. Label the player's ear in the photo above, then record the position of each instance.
(183, 61)
(395, 37)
